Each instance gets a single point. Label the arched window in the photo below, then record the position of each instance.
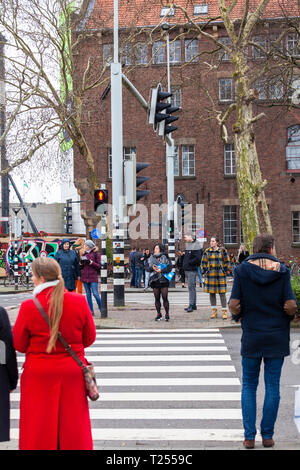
(293, 148)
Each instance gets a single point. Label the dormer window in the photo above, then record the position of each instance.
(200, 9)
(167, 11)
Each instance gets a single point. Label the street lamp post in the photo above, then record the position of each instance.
(170, 169)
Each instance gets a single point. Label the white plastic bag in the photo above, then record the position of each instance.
(297, 409)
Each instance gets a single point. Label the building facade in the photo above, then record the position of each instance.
(202, 83)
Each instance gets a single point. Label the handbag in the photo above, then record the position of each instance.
(87, 370)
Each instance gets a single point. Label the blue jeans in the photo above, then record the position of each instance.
(272, 373)
(92, 287)
(138, 276)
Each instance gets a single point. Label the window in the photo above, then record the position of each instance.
(158, 52)
(127, 151)
(200, 9)
(141, 53)
(223, 55)
(230, 224)
(225, 89)
(188, 160)
(296, 227)
(261, 89)
(275, 90)
(176, 96)
(292, 44)
(191, 50)
(167, 11)
(229, 159)
(293, 148)
(126, 54)
(259, 52)
(107, 53)
(272, 90)
(175, 51)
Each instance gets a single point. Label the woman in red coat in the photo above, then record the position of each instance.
(54, 412)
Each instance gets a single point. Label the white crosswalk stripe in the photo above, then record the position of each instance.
(175, 385)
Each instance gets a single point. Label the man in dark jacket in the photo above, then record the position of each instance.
(191, 261)
(69, 264)
(138, 259)
(263, 299)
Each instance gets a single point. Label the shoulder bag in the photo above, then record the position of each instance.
(87, 370)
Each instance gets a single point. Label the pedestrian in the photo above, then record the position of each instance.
(263, 299)
(78, 247)
(214, 267)
(159, 265)
(139, 266)
(179, 266)
(90, 266)
(69, 264)
(191, 261)
(8, 373)
(54, 412)
(147, 273)
(132, 266)
(243, 253)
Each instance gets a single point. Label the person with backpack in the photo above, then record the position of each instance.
(90, 265)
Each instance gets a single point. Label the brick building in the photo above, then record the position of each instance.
(204, 165)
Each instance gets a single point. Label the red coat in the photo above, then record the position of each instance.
(54, 410)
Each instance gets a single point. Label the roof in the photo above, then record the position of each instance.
(148, 12)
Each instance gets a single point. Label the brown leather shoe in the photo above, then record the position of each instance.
(249, 443)
(268, 442)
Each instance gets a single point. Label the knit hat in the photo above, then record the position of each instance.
(89, 243)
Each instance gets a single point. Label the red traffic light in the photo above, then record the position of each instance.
(100, 197)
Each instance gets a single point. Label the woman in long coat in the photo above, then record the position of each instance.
(69, 264)
(54, 412)
(8, 373)
(214, 265)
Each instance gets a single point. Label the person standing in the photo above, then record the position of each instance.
(132, 266)
(262, 297)
(242, 253)
(214, 267)
(191, 261)
(179, 266)
(54, 411)
(69, 264)
(8, 373)
(147, 273)
(78, 247)
(90, 266)
(159, 264)
(139, 266)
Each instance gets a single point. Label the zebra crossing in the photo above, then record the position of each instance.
(160, 387)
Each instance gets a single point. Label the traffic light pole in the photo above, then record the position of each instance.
(170, 176)
(117, 166)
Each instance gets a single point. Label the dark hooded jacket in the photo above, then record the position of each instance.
(69, 264)
(264, 300)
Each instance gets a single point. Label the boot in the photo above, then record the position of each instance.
(214, 313)
(224, 313)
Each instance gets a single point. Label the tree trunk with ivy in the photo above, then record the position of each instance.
(254, 209)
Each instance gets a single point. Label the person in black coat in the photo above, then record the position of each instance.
(69, 264)
(262, 297)
(157, 281)
(8, 373)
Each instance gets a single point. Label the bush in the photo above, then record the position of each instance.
(295, 281)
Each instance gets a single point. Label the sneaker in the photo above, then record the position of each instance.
(158, 317)
(167, 318)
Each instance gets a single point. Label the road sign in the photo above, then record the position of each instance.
(201, 233)
(96, 233)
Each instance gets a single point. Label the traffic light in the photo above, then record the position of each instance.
(132, 181)
(68, 216)
(100, 200)
(160, 112)
(22, 228)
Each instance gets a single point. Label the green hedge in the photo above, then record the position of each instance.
(295, 281)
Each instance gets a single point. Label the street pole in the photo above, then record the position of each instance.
(117, 166)
(170, 172)
(103, 268)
